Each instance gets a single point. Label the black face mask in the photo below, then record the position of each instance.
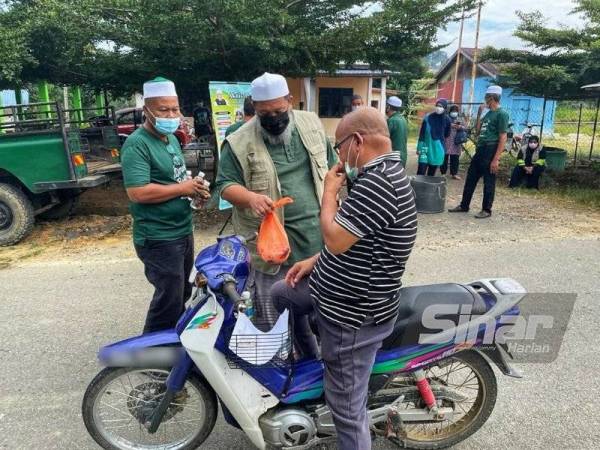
(275, 124)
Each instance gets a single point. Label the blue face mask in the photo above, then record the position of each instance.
(351, 172)
(166, 125)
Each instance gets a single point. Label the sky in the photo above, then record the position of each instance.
(499, 21)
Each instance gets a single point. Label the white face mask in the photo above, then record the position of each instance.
(533, 145)
(439, 110)
(454, 115)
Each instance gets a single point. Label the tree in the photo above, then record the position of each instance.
(419, 92)
(118, 44)
(560, 60)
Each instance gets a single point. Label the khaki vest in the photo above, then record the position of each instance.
(535, 155)
(260, 175)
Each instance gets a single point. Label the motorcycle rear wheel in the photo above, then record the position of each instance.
(479, 379)
(131, 394)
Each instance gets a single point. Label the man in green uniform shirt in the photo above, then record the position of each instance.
(278, 153)
(492, 131)
(398, 127)
(154, 175)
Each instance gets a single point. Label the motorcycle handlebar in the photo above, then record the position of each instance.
(230, 290)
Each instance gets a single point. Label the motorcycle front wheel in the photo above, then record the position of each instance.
(119, 401)
(470, 377)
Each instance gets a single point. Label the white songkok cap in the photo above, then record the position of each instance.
(394, 101)
(494, 89)
(268, 86)
(159, 87)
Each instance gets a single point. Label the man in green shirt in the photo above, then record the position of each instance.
(248, 114)
(278, 153)
(398, 127)
(154, 175)
(492, 131)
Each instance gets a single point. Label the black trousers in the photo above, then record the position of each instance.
(426, 169)
(531, 181)
(480, 167)
(167, 266)
(453, 160)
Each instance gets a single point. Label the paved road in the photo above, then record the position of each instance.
(56, 314)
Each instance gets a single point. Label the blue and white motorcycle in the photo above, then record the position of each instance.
(162, 390)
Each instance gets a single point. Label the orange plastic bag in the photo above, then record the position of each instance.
(272, 244)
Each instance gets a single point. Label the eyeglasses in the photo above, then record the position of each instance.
(338, 145)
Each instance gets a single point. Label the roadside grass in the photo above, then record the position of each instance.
(580, 196)
(576, 185)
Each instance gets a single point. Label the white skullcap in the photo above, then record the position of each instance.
(494, 89)
(268, 86)
(159, 87)
(394, 101)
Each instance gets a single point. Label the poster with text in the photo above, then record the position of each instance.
(227, 106)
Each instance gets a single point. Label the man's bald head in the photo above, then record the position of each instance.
(365, 121)
(362, 135)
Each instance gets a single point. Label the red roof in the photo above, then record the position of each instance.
(468, 53)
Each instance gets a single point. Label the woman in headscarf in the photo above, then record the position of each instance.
(453, 143)
(531, 162)
(435, 128)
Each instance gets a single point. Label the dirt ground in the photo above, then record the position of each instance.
(101, 227)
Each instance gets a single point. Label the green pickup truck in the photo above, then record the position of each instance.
(47, 158)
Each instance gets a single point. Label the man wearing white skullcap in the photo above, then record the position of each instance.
(154, 175)
(491, 131)
(279, 152)
(398, 127)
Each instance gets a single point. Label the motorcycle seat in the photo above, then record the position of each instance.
(415, 300)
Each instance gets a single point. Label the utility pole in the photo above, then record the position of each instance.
(475, 55)
(460, 36)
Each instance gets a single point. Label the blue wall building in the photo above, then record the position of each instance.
(523, 109)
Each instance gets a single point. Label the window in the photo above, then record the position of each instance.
(375, 104)
(126, 118)
(334, 102)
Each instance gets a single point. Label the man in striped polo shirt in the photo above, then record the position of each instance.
(354, 282)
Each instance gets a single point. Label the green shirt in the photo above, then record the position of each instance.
(231, 128)
(398, 127)
(146, 159)
(492, 125)
(292, 164)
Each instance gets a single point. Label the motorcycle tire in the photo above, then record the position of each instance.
(485, 406)
(109, 374)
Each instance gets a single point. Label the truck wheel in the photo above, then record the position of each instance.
(16, 215)
(64, 209)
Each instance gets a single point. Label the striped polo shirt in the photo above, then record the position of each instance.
(365, 279)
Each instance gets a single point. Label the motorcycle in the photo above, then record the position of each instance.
(427, 390)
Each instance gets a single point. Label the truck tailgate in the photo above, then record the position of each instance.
(86, 182)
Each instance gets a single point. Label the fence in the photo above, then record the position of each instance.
(576, 130)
